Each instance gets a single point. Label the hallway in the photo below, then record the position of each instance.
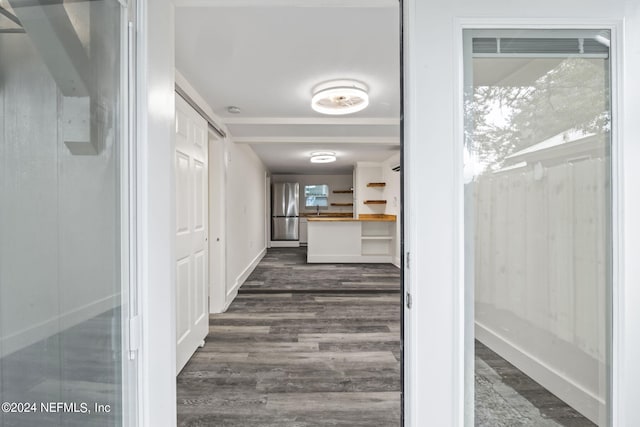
(295, 349)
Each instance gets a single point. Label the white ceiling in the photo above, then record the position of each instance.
(265, 58)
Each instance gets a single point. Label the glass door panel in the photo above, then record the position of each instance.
(61, 302)
(537, 225)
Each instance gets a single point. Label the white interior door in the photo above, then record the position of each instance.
(192, 323)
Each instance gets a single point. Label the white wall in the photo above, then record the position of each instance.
(434, 216)
(365, 173)
(245, 193)
(391, 194)
(335, 182)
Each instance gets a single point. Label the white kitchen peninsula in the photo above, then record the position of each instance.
(368, 238)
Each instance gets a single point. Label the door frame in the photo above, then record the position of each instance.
(217, 224)
(155, 221)
(450, 306)
(434, 335)
(616, 166)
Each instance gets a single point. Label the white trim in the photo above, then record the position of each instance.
(626, 202)
(536, 23)
(381, 140)
(286, 3)
(617, 410)
(245, 275)
(412, 377)
(581, 399)
(156, 213)
(230, 298)
(582, 403)
(130, 326)
(429, 155)
(217, 225)
(56, 324)
(284, 243)
(396, 261)
(267, 209)
(344, 121)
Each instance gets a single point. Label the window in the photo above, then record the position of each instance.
(316, 195)
(538, 215)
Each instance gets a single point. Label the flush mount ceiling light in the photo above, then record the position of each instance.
(340, 97)
(233, 109)
(323, 157)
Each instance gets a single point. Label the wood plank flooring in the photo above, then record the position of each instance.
(286, 270)
(297, 359)
(302, 345)
(319, 345)
(506, 397)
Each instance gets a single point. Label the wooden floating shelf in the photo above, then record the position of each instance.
(375, 202)
(341, 204)
(376, 184)
(342, 191)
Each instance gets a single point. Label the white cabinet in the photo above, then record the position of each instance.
(303, 230)
(377, 239)
(350, 240)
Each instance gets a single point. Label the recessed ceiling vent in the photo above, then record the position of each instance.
(490, 46)
(340, 97)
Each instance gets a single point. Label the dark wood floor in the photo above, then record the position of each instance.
(286, 270)
(319, 345)
(302, 345)
(506, 397)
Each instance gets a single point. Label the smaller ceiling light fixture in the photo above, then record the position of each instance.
(340, 97)
(233, 109)
(323, 157)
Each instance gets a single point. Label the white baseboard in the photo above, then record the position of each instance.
(56, 324)
(285, 244)
(230, 298)
(576, 396)
(396, 261)
(233, 292)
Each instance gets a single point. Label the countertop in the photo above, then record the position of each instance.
(327, 215)
(363, 217)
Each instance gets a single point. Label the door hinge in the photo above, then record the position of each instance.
(134, 336)
(408, 259)
(409, 300)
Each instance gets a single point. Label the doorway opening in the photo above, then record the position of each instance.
(304, 315)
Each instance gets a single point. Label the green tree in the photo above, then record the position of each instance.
(572, 95)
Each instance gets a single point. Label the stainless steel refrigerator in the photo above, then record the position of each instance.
(284, 211)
